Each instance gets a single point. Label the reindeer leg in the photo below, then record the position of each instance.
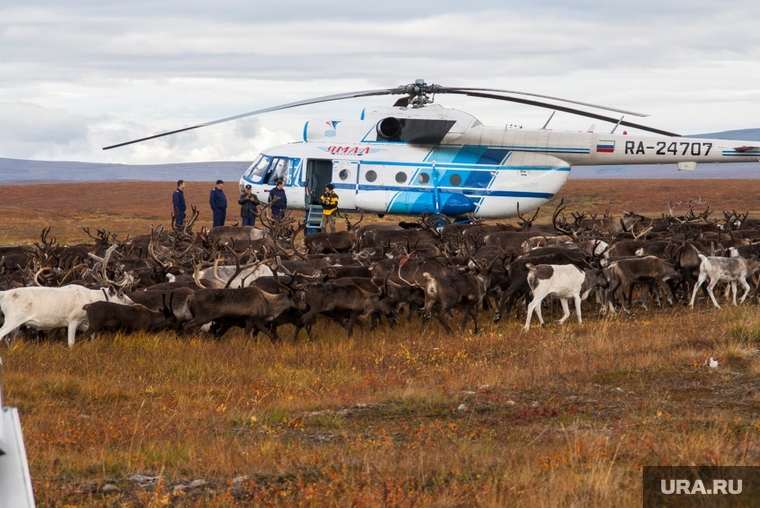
(262, 327)
(746, 290)
(72, 331)
(9, 327)
(309, 317)
(631, 287)
(532, 306)
(465, 315)
(540, 309)
(498, 309)
(565, 310)
(610, 295)
(273, 328)
(702, 278)
(645, 290)
(727, 291)
(354, 316)
(427, 312)
(710, 292)
(373, 320)
(501, 308)
(474, 314)
(391, 318)
(444, 311)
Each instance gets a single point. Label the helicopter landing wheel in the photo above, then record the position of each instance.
(437, 220)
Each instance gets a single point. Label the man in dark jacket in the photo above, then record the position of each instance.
(278, 199)
(178, 202)
(249, 206)
(218, 202)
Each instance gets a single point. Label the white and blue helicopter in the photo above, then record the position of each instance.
(418, 157)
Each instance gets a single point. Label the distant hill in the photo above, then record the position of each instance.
(30, 171)
(743, 134)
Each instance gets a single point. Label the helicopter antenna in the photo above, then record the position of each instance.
(616, 125)
(549, 120)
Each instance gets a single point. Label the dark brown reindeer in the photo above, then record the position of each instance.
(338, 242)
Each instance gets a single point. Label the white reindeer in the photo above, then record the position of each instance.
(562, 281)
(722, 269)
(48, 308)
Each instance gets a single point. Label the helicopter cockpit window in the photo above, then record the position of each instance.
(260, 166)
(280, 170)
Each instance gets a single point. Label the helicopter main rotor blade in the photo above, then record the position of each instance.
(573, 111)
(466, 91)
(315, 100)
(417, 94)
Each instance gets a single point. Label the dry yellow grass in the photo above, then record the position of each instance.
(129, 208)
(561, 416)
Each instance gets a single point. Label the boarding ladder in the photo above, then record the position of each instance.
(313, 219)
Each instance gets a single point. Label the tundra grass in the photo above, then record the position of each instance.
(560, 416)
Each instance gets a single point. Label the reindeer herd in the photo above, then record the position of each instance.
(263, 278)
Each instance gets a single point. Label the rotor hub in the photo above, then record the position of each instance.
(419, 93)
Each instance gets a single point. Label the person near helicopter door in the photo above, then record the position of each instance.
(329, 202)
(279, 200)
(249, 206)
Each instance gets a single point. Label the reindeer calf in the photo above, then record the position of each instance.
(720, 269)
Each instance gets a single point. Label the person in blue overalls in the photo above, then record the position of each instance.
(178, 202)
(218, 202)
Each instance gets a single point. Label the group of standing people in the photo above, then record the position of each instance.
(248, 201)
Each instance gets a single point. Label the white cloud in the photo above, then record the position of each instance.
(98, 73)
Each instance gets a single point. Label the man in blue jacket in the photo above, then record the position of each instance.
(279, 200)
(178, 201)
(218, 202)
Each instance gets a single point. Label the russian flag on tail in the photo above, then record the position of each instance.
(605, 146)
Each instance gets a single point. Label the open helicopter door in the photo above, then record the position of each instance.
(319, 173)
(345, 177)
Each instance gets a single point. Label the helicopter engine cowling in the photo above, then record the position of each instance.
(389, 129)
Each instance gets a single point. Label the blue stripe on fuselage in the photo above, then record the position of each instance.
(471, 193)
(463, 167)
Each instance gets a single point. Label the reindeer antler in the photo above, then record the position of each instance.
(526, 223)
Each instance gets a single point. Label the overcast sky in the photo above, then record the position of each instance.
(83, 74)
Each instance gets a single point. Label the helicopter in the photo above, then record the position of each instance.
(417, 157)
